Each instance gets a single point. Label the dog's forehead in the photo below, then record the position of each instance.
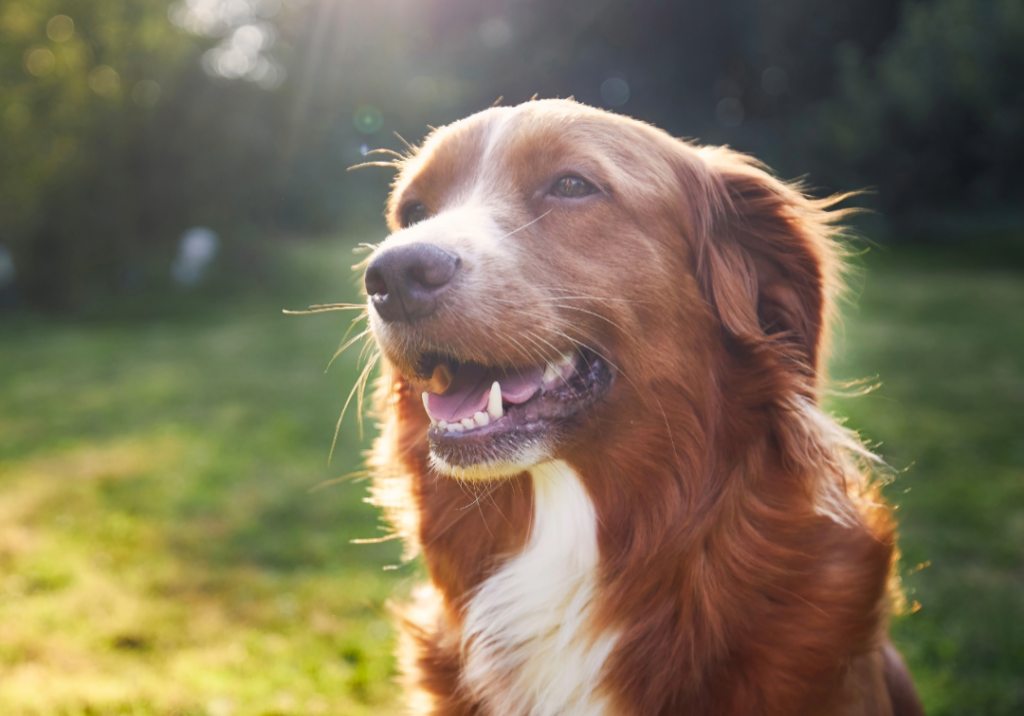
(505, 146)
(451, 154)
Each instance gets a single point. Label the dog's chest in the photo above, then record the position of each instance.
(530, 646)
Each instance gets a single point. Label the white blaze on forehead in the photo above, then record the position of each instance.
(488, 189)
(496, 130)
(529, 641)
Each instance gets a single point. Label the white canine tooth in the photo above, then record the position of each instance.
(468, 423)
(481, 418)
(494, 402)
(567, 359)
(442, 424)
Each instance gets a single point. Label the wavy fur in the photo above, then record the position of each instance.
(739, 551)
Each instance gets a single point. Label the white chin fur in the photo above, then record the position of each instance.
(492, 469)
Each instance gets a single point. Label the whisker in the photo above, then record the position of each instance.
(553, 300)
(628, 378)
(337, 480)
(529, 354)
(375, 540)
(331, 305)
(574, 368)
(617, 299)
(407, 145)
(668, 431)
(569, 338)
(390, 152)
(392, 165)
(591, 313)
(605, 299)
(494, 502)
(361, 397)
(346, 345)
(323, 308)
(528, 223)
(360, 382)
(459, 515)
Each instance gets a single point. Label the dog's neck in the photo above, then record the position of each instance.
(533, 619)
(663, 571)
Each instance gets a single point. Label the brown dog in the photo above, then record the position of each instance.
(603, 352)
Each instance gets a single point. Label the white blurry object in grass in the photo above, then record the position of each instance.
(196, 250)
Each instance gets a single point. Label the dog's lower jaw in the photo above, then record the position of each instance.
(526, 458)
(528, 638)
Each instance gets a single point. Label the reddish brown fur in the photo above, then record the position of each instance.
(730, 592)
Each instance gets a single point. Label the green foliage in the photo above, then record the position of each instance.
(122, 124)
(78, 81)
(935, 119)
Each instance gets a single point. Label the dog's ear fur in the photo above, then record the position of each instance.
(766, 257)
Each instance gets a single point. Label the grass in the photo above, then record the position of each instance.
(163, 549)
(947, 342)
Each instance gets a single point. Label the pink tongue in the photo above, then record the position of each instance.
(471, 388)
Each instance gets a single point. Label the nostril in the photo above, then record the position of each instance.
(374, 282)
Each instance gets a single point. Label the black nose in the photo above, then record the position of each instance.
(405, 283)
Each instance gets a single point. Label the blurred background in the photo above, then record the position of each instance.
(174, 539)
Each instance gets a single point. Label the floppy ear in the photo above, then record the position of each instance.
(767, 259)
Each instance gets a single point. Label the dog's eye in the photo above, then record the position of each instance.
(413, 213)
(573, 187)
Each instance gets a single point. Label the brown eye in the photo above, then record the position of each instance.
(573, 187)
(413, 214)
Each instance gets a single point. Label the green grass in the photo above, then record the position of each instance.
(946, 341)
(163, 549)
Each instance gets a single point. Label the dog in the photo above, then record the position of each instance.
(602, 356)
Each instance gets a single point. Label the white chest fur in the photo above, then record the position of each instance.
(529, 646)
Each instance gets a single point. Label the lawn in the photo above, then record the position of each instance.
(169, 542)
(945, 337)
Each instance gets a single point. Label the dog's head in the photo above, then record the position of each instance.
(552, 266)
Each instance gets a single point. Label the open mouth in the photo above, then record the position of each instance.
(489, 414)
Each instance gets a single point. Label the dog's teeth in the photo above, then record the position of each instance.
(468, 423)
(442, 424)
(494, 402)
(551, 374)
(481, 418)
(567, 359)
(455, 427)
